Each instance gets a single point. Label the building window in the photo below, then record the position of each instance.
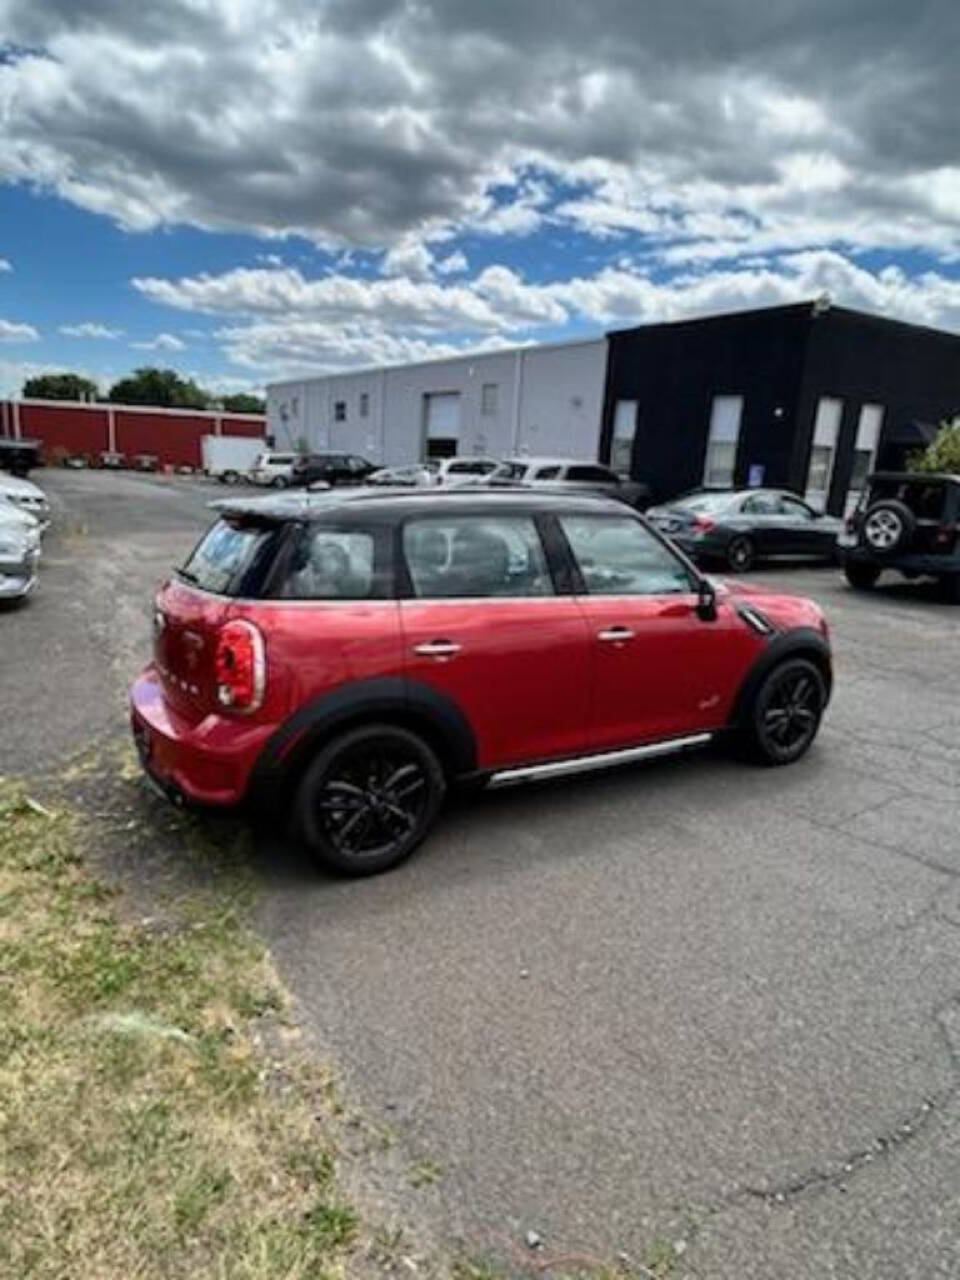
(489, 394)
(865, 450)
(364, 404)
(721, 461)
(624, 430)
(339, 410)
(823, 451)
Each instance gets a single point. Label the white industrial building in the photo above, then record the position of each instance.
(526, 400)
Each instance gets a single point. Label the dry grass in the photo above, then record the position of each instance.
(143, 1132)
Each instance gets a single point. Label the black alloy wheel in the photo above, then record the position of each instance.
(369, 798)
(787, 711)
(740, 553)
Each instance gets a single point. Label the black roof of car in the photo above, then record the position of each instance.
(406, 502)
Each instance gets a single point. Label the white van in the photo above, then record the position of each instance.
(273, 469)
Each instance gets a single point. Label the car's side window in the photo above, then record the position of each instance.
(547, 473)
(475, 556)
(794, 509)
(592, 475)
(761, 504)
(619, 556)
(333, 564)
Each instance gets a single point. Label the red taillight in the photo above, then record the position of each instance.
(703, 524)
(240, 666)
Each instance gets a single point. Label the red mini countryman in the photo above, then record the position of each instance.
(344, 658)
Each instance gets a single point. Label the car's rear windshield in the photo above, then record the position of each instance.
(227, 555)
(706, 502)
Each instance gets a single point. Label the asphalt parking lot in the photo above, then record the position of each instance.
(693, 1007)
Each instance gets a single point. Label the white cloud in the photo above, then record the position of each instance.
(5, 265)
(392, 124)
(10, 331)
(90, 329)
(14, 373)
(453, 264)
(281, 323)
(162, 342)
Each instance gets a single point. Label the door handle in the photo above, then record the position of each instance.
(437, 649)
(613, 634)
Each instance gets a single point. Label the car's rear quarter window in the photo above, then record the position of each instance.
(335, 562)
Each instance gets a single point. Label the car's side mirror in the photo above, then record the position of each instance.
(706, 601)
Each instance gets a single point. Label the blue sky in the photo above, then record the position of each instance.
(247, 191)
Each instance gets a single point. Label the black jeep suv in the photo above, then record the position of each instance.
(906, 521)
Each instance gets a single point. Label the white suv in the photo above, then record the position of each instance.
(458, 469)
(273, 469)
(26, 496)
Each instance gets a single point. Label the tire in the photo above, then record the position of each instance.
(740, 553)
(369, 798)
(230, 477)
(792, 695)
(278, 482)
(862, 577)
(887, 528)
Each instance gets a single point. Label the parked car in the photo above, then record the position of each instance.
(906, 521)
(19, 456)
(331, 468)
(19, 551)
(112, 461)
(464, 467)
(740, 526)
(416, 476)
(27, 496)
(272, 469)
(568, 475)
(347, 662)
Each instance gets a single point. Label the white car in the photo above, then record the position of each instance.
(25, 495)
(19, 551)
(459, 469)
(273, 469)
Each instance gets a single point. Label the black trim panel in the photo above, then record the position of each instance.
(803, 642)
(389, 697)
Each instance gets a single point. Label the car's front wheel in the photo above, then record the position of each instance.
(862, 577)
(785, 714)
(369, 798)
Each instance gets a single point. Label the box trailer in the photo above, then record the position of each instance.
(229, 458)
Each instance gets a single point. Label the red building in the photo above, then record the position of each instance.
(68, 428)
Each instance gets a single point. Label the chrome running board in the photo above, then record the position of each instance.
(584, 764)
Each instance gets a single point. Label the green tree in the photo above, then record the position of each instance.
(163, 387)
(60, 386)
(943, 452)
(243, 402)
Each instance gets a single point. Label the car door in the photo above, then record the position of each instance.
(658, 670)
(806, 533)
(485, 626)
(760, 518)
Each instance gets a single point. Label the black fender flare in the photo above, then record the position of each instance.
(804, 642)
(409, 703)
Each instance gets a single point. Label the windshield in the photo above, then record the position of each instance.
(510, 471)
(222, 556)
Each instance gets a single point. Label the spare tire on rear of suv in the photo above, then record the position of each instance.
(888, 527)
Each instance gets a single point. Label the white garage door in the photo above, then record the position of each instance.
(443, 415)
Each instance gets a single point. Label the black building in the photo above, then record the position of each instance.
(808, 397)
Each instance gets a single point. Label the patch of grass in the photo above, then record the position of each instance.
(142, 1129)
(425, 1173)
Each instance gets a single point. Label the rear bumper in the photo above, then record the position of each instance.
(205, 763)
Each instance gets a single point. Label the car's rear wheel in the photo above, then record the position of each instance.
(785, 715)
(862, 577)
(278, 482)
(740, 553)
(369, 799)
